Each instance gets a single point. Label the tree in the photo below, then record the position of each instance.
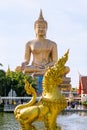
(1, 64)
(17, 82)
(2, 82)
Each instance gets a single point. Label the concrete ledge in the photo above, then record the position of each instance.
(75, 110)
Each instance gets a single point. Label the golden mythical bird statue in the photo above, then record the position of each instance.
(51, 103)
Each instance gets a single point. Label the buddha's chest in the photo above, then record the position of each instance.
(41, 47)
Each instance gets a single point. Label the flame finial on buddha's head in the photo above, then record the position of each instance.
(40, 20)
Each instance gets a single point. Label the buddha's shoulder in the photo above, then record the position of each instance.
(51, 42)
(30, 42)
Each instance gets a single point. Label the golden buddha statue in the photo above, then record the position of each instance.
(44, 51)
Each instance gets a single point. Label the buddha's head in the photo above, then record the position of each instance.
(40, 26)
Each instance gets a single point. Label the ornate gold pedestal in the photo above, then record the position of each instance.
(51, 103)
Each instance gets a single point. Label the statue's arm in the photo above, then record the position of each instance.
(27, 54)
(53, 56)
(54, 53)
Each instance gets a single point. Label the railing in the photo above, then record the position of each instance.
(15, 98)
(11, 102)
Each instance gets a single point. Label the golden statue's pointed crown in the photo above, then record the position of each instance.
(40, 20)
(8, 71)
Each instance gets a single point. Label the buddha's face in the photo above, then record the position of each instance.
(40, 30)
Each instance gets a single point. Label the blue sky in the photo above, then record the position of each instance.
(67, 26)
